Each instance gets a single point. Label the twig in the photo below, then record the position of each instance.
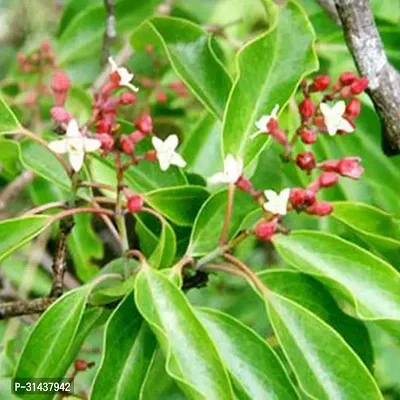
(228, 214)
(44, 207)
(366, 46)
(15, 187)
(111, 30)
(25, 307)
(330, 9)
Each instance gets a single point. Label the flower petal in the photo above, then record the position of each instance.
(171, 142)
(177, 159)
(73, 129)
(275, 110)
(271, 207)
(91, 144)
(271, 195)
(114, 66)
(338, 108)
(164, 161)
(261, 124)
(76, 160)
(157, 143)
(59, 146)
(219, 177)
(345, 125)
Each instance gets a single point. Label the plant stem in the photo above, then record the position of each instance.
(228, 214)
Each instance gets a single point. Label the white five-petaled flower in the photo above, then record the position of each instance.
(75, 145)
(125, 77)
(166, 153)
(233, 169)
(333, 117)
(277, 203)
(262, 123)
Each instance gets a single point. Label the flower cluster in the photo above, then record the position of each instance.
(323, 110)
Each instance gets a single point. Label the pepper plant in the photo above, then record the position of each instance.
(196, 209)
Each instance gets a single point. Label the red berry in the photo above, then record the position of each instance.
(127, 98)
(320, 83)
(161, 97)
(80, 365)
(60, 114)
(353, 108)
(144, 123)
(134, 203)
(127, 145)
(306, 161)
(328, 179)
(244, 184)
(308, 136)
(307, 108)
(359, 85)
(103, 126)
(347, 78)
(266, 229)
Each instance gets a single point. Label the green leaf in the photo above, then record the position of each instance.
(325, 366)
(368, 283)
(158, 385)
(270, 69)
(85, 245)
(189, 50)
(8, 121)
(142, 178)
(256, 370)
(202, 149)
(210, 219)
(127, 352)
(17, 231)
(179, 204)
(57, 337)
(378, 228)
(157, 240)
(192, 359)
(312, 295)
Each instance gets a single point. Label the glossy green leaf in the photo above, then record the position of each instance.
(157, 240)
(256, 370)
(158, 385)
(182, 338)
(210, 219)
(179, 204)
(270, 69)
(8, 121)
(17, 231)
(312, 295)
(189, 49)
(85, 247)
(325, 366)
(370, 284)
(202, 149)
(378, 228)
(127, 352)
(57, 337)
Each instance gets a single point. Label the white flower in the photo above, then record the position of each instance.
(233, 169)
(75, 145)
(125, 76)
(262, 123)
(166, 153)
(333, 117)
(277, 203)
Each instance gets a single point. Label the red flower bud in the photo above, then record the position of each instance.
(161, 97)
(307, 108)
(60, 82)
(144, 123)
(244, 184)
(328, 179)
(297, 197)
(134, 203)
(308, 136)
(179, 88)
(266, 229)
(280, 136)
(309, 197)
(272, 125)
(350, 167)
(60, 114)
(107, 141)
(146, 82)
(127, 98)
(103, 126)
(320, 208)
(306, 161)
(359, 85)
(347, 78)
(353, 108)
(320, 83)
(136, 136)
(345, 92)
(80, 365)
(151, 155)
(319, 122)
(127, 145)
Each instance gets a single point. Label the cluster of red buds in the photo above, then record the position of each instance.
(317, 117)
(38, 63)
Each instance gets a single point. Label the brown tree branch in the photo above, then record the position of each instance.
(24, 307)
(14, 188)
(111, 30)
(330, 9)
(366, 46)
